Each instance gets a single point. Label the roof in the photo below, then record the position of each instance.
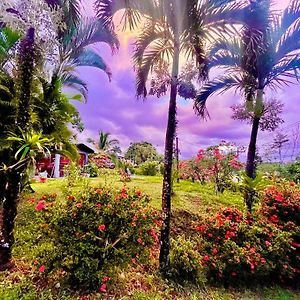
(85, 148)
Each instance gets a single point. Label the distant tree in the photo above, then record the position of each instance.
(270, 116)
(279, 141)
(141, 152)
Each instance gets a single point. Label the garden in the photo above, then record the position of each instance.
(100, 222)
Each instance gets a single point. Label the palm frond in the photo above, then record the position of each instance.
(106, 9)
(290, 15)
(285, 71)
(218, 85)
(90, 31)
(158, 51)
(74, 82)
(89, 58)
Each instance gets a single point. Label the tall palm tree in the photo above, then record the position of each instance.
(267, 56)
(171, 28)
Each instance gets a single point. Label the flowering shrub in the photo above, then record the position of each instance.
(220, 164)
(216, 164)
(124, 176)
(281, 205)
(95, 231)
(235, 249)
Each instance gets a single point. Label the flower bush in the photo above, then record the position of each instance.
(236, 249)
(95, 231)
(216, 164)
(281, 206)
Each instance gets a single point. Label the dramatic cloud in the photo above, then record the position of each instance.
(113, 107)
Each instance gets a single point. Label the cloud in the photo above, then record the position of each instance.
(113, 107)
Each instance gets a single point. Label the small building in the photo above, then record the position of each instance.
(55, 164)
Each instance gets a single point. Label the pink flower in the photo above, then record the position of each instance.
(102, 288)
(42, 269)
(105, 279)
(206, 258)
(101, 227)
(140, 241)
(40, 205)
(267, 243)
(79, 205)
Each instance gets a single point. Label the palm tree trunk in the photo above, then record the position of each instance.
(250, 166)
(10, 192)
(164, 260)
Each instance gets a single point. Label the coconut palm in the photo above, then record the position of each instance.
(105, 143)
(267, 57)
(171, 28)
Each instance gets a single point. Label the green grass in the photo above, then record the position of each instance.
(189, 199)
(189, 196)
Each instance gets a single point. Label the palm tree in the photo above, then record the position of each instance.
(105, 143)
(75, 52)
(171, 28)
(267, 56)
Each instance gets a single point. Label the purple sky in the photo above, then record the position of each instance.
(112, 107)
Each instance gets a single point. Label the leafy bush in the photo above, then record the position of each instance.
(184, 259)
(235, 250)
(93, 232)
(91, 169)
(149, 168)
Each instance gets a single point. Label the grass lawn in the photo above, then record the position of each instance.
(190, 200)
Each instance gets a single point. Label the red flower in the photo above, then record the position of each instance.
(42, 269)
(105, 279)
(98, 205)
(101, 227)
(40, 206)
(200, 228)
(102, 288)
(215, 251)
(206, 258)
(133, 260)
(31, 200)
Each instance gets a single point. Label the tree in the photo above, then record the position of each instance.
(265, 57)
(279, 141)
(105, 143)
(28, 98)
(141, 152)
(171, 28)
